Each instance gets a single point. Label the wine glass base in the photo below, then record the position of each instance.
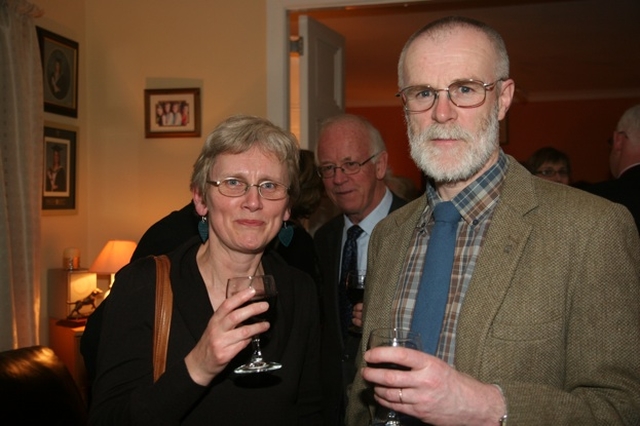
(257, 367)
(388, 422)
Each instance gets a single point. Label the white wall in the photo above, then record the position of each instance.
(127, 182)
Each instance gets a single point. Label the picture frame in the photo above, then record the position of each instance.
(172, 113)
(59, 168)
(59, 56)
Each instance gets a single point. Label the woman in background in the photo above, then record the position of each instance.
(550, 164)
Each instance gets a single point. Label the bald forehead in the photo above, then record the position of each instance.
(350, 136)
(458, 51)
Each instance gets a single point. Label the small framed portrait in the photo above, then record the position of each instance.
(59, 177)
(172, 113)
(60, 73)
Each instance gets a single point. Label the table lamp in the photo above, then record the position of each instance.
(114, 255)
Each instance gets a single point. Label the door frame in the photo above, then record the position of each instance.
(278, 48)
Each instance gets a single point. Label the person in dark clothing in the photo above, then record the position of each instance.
(293, 243)
(208, 335)
(168, 233)
(352, 160)
(624, 162)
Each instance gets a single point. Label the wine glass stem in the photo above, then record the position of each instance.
(257, 351)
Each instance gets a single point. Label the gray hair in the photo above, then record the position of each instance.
(630, 123)
(376, 143)
(448, 25)
(240, 133)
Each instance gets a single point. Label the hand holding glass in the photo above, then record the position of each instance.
(355, 292)
(265, 288)
(391, 337)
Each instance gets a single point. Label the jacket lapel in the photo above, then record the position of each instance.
(502, 250)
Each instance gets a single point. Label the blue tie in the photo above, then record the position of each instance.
(436, 277)
(349, 263)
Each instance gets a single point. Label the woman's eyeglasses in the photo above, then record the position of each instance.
(235, 187)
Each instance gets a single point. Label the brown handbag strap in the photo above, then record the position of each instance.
(162, 324)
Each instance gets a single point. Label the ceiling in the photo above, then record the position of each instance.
(559, 50)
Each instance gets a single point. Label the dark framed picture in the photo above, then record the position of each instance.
(60, 73)
(172, 113)
(59, 177)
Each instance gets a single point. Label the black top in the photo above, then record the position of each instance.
(124, 393)
(625, 190)
(169, 232)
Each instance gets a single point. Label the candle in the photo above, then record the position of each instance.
(71, 258)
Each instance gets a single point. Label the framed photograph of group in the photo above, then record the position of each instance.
(60, 73)
(59, 174)
(172, 113)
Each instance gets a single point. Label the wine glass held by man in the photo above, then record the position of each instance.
(395, 338)
(355, 282)
(243, 184)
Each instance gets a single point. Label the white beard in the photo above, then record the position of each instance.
(458, 164)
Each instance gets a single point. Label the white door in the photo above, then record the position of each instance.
(322, 91)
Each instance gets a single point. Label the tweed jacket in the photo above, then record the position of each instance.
(551, 314)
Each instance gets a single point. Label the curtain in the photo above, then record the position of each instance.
(21, 174)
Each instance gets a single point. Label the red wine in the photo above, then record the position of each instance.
(355, 295)
(388, 365)
(269, 315)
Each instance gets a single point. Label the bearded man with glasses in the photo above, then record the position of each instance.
(352, 161)
(538, 321)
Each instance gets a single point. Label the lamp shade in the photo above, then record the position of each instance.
(114, 255)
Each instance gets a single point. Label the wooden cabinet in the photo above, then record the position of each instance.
(65, 342)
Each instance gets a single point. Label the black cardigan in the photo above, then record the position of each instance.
(124, 392)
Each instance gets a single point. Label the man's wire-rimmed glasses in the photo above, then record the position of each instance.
(467, 93)
(348, 167)
(235, 187)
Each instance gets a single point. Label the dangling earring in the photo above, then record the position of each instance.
(203, 229)
(286, 234)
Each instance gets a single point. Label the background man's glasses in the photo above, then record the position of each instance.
(348, 168)
(462, 93)
(234, 187)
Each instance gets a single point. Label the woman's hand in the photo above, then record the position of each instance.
(225, 336)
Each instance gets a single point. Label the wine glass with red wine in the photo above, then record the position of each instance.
(265, 287)
(399, 337)
(355, 292)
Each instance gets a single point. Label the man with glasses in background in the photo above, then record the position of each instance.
(624, 163)
(539, 321)
(352, 161)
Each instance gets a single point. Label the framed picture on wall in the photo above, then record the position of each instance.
(59, 73)
(59, 174)
(172, 113)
